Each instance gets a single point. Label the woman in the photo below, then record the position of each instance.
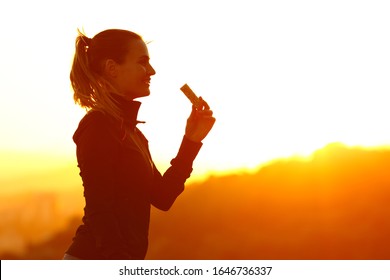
(119, 177)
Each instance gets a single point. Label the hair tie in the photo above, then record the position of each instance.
(87, 41)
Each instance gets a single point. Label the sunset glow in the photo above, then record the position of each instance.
(283, 78)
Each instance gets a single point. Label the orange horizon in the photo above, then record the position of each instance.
(20, 166)
(337, 197)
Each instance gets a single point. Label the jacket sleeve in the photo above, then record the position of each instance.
(97, 153)
(168, 187)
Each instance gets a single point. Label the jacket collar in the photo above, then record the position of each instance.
(129, 111)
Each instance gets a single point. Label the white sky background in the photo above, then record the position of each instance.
(282, 77)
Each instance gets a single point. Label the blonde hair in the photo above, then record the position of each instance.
(91, 90)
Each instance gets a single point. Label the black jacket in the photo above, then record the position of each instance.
(121, 183)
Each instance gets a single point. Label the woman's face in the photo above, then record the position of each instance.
(132, 77)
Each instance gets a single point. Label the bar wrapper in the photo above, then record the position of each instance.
(190, 95)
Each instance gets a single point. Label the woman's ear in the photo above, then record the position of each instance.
(111, 68)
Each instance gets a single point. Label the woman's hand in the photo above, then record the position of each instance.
(199, 122)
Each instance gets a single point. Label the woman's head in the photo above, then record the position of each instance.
(114, 62)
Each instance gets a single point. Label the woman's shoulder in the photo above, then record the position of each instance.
(96, 123)
(94, 116)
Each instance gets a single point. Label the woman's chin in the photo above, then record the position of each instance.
(139, 94)
(144, 93)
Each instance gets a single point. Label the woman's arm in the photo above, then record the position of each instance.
(168, 187)
(171, 184)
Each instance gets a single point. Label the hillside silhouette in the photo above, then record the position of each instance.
(333, 205)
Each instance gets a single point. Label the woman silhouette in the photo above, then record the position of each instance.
(120, 180)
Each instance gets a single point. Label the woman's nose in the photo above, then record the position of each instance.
(151, 70)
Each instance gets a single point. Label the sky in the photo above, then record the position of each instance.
(282, 77)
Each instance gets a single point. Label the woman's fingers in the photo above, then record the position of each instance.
(203, 104)
(205, 113)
